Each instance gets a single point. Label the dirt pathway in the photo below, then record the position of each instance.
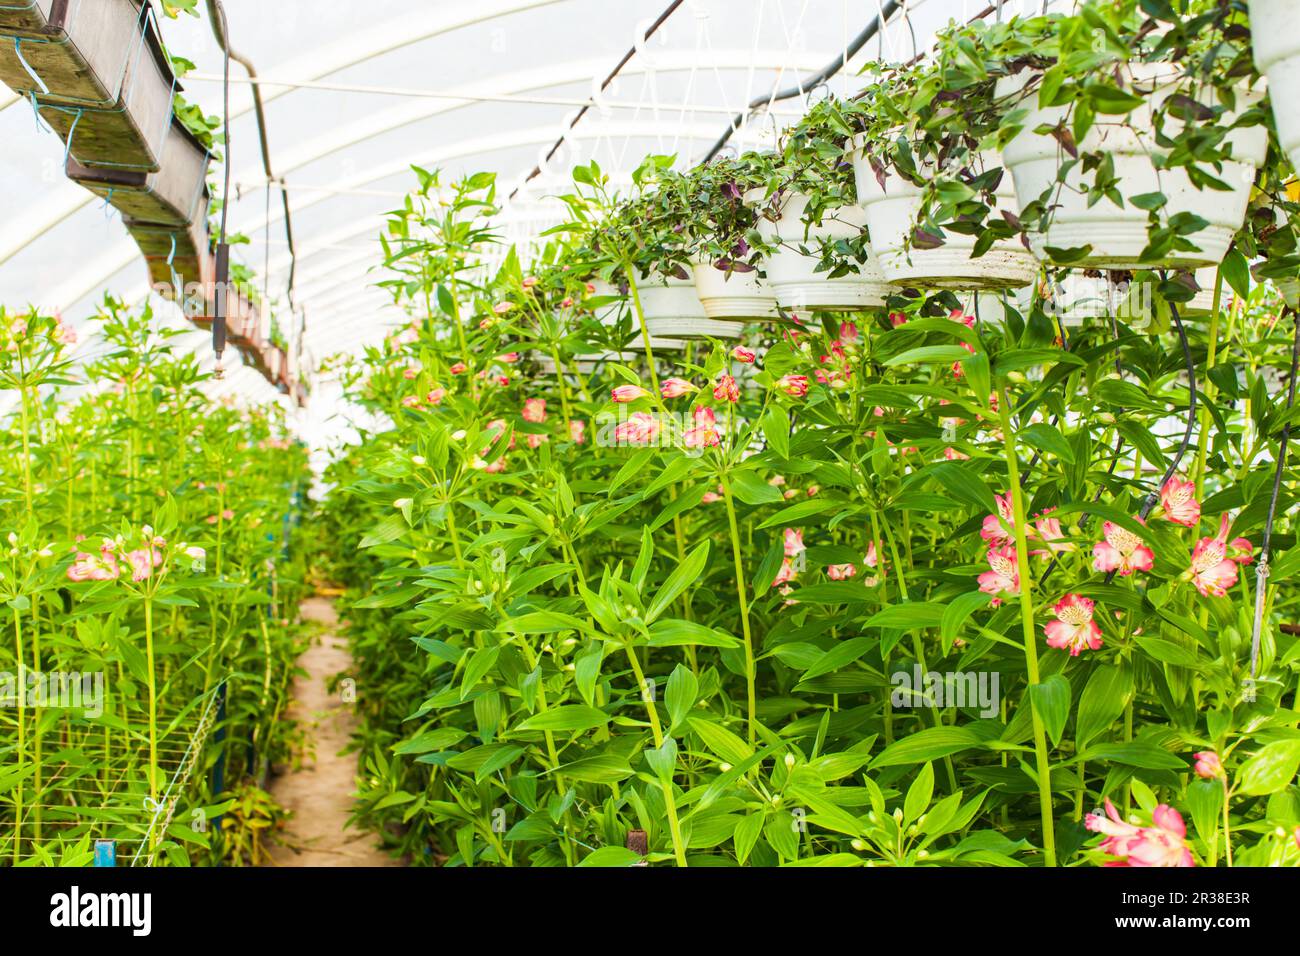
(320, 793)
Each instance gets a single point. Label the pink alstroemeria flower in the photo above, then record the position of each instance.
(704, 433)
(1208, 765)
(578, 431)
(786, 574)
(1003, 576)
(796, 386)
(89, 567)
(436, 396)
(676, 387)
(535, 410)
(143, 561)
(627, 393)
(458, 368)
(841, 572)
(743, 355)
(726, 390)
(1074, 629)
(1049, 529)
(1212, 571)
(1178, 499)
(641, 428)
(1122, 551)
(794, 542)
(1160, 845)
(997, 528)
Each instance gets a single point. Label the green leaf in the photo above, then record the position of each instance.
(776, 429)
(680, 697)
(1103, 700)
(918, 795)
(753, 490)
(567, 717)
(1135, 754)
(686, 574)
(1047, 438)
(1051, 701)
(845, 652)
(603, 768)
(720, 740)
(609, 855)
(1236, 272)
(673, 632)
(928, 744)
(1270, 769)
(955, 614)
(915, 614)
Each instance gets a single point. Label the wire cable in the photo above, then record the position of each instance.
(1266, 542)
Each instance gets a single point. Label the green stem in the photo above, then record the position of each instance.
(751, 698)
(22, 723)
(1042, 767)
(670, 799)
(153, 701)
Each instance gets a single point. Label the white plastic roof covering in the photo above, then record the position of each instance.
(373, 86)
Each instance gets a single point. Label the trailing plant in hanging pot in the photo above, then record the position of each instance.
(940, 210)
(1133, 137)
(816, 253)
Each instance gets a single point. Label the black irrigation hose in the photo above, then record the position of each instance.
(1261, 567)
(1149, 503)
(220, 29)
(1154, 496)
(222, 299)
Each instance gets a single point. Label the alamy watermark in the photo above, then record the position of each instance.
(973, 689)
(55, 690)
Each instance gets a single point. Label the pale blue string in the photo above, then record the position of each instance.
(18, 49)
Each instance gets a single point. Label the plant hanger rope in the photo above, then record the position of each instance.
(1261, 568)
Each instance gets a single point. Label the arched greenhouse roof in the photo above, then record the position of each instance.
(355, 94)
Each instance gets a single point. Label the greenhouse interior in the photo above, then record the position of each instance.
(632, 433)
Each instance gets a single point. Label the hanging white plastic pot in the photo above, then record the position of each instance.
(1276, 43)
(990, 308)
(1118, 235)
(609, 314)
(586, 363)
(891, 211)
(1203, 302)
(792, 273)
(733, 296)
(673, 311)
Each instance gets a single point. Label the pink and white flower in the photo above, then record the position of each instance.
(623, 394)
(641, 428)
(794, 542)
(676, 387)
(998, 528)
(1003, 576)
(1178, 499)
(796, 386)
(1161, 845)
(535, 410)
(786, 573)
(726, 390)
(743, 355)
(1121, 551)
(841, 572)
(1074, 629)
(1212, 571)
